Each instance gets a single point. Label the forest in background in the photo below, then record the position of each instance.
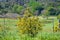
(37, 7)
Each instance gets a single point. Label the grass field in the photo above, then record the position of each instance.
(11, 32)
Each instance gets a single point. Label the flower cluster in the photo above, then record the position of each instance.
(29, 24)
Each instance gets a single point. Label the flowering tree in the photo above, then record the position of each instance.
(29, 24)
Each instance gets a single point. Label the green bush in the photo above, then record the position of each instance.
(17, 8)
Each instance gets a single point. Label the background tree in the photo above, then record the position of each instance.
(35, 6)
(17, 8)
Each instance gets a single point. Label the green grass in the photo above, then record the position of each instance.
(11, 32)
(8, 22)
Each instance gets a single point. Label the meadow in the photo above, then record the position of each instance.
(10, 31)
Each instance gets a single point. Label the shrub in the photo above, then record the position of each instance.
(56, 25)
(58, 17)
(29, 24)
